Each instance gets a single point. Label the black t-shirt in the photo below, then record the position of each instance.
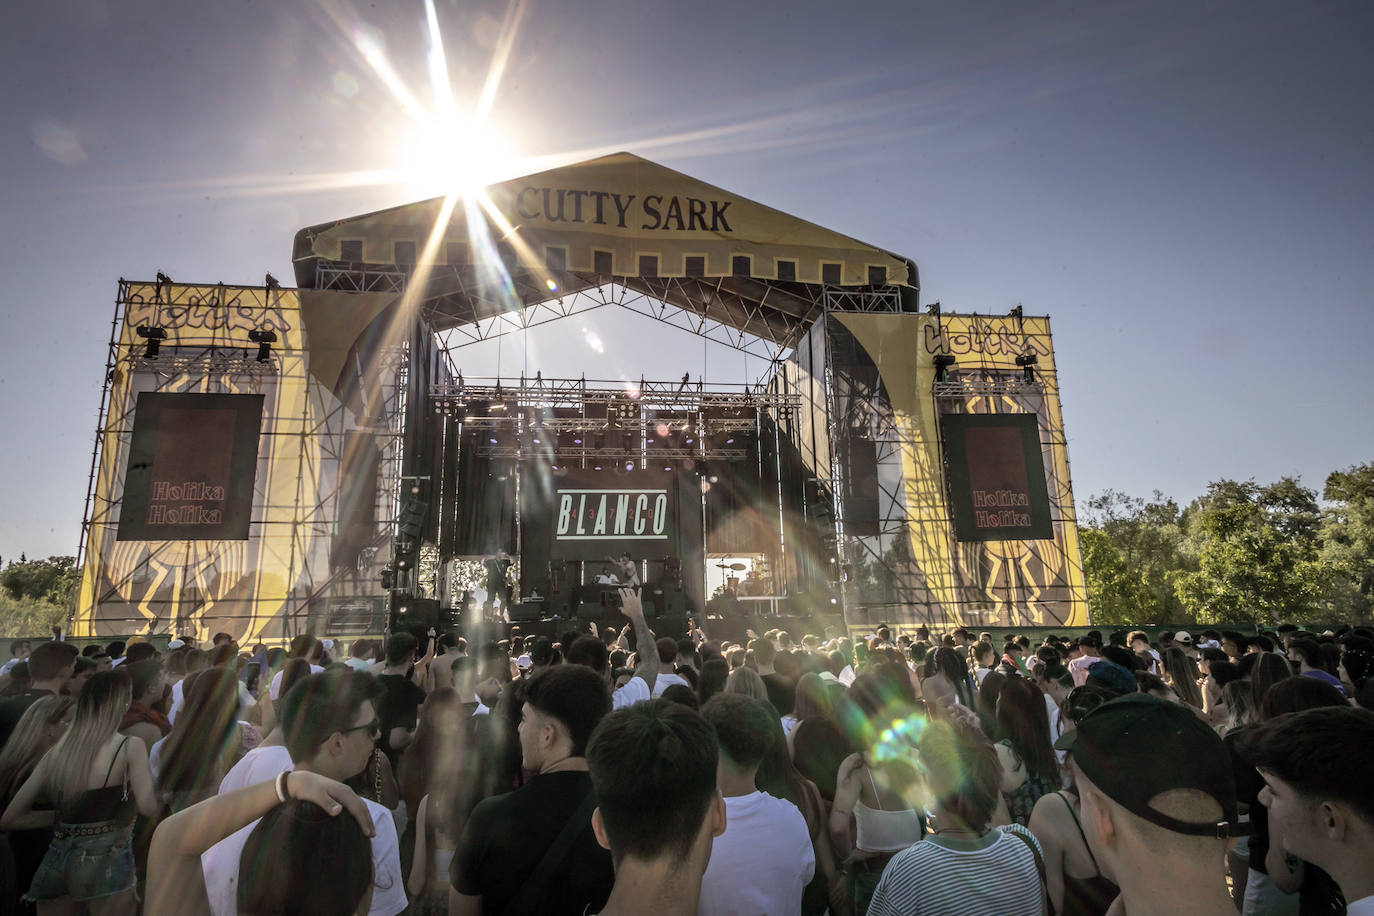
(13, 709)
(506, 837)
(496, 573)
(398, 707)
(1248, 785)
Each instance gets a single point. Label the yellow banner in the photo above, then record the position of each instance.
(200, 587)
(983, 583)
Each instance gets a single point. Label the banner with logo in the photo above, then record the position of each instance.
(591, 515)
(191, 466)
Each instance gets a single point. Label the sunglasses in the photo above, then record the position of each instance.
(374, 729)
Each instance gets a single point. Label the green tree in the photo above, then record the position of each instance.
(1257, 554)
(1117, 594)
(52, 580)
(1146, 539)
(30, 617)
(1347, 542)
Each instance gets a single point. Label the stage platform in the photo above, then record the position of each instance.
(717, 629)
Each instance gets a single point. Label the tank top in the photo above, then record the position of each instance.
(107, 803)
(880, 830)
(1086, 896)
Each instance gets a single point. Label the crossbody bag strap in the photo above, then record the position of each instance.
(1097, 869)
(530, 892)
(1039, 859)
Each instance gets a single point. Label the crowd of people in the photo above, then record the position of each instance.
(619, 771)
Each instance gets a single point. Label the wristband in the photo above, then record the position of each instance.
(281, 786)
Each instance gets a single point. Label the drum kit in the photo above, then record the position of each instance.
(732, 582)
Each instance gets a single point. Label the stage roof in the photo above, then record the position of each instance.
(618, 219)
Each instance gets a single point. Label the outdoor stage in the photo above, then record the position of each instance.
(718, 630)
(270, 461)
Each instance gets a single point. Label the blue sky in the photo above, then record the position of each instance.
(1185, 188)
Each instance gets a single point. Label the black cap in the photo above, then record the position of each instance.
(1137, 747)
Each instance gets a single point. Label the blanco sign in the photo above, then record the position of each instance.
(613, 515)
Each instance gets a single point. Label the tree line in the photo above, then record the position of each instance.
(35, 595)
(1242, 553)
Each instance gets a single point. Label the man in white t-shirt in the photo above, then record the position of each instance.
(1140, 642)
(331, 728)
(764, 859)
(19, 651)
(1316, 766)
(592, 652)
(666, 647)
(303, 646)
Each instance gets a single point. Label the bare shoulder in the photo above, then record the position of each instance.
(1050, 814)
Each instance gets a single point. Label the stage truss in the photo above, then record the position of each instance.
(279, 581)
(673, 421)
(873, 389)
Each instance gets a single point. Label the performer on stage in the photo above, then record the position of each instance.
(496, 566)
(625, 568)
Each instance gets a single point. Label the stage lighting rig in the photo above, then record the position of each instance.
(154, 336)
(264, 340)
(1027, 363)
(934, 309)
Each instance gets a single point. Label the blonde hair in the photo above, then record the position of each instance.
(28, 743)
(103, 701)
(748, 682)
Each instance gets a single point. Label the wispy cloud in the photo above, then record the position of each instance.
(58, 141)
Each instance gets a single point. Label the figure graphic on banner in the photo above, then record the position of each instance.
(497, 586)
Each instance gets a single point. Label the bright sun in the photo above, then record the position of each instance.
(455, 156)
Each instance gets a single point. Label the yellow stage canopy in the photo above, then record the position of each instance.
(617, 219)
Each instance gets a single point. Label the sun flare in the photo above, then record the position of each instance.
(454, 156)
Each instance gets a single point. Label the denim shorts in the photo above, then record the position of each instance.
(85, 862)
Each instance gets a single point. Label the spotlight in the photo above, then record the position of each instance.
(264, 340)
(933, 308)
(943, 363)
(271, 282)
(1027, 363)
(1016, 312)
(155, 336)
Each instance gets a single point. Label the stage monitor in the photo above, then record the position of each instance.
(996, 477)
(192, 463)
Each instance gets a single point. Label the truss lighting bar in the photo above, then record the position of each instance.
(962, 385)
(652, 396)
(560, 456)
